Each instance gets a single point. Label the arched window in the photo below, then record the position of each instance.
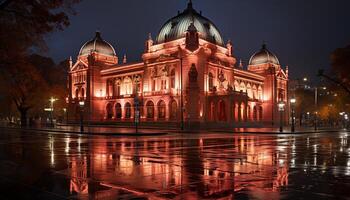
(150, 110)
(249, 91)
(82, 92)
(255, 114)
(118, 111)
(237, 88)
(248, 112)
(212, 111)
(222, 111)
(172, 78)
(127, 86)
(242, 87)
(117, 89)
(173, 110)
(127, 108)
(260, 93)
(77, 93)
(255, 92)
(110, 88)
(109, 111)
(161, 109)
(210, 81)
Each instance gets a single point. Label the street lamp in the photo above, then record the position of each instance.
(81, 104)
(281, 105)
(292, 103)
(181, 97)
(52, 100)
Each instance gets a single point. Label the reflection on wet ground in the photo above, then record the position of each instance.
(198, 166)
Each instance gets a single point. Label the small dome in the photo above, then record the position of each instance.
(176, 27)
(263, 56)
(97, 45)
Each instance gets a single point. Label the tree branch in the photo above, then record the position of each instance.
(4, 4)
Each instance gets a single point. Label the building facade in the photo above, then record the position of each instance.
(187, 74)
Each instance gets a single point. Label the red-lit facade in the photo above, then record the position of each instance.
(187, 64)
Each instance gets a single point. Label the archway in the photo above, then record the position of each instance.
(118, 111)
(212, 111)
(260, 113)
(127, 108)
(255, 113)
(173, 110)
(109, 110)
(161, 109)
(210, 81)
(222, 111)
(150, 109)
(82, 92)
(248, 113)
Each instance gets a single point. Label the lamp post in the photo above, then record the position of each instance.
(292, 103)
(181, 97)
(81, 105)
(316, 102)
(281, 105)
(65, 114)
(52, 100)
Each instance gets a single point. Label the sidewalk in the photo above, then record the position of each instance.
(107, 130)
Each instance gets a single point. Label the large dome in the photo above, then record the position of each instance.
(177, 26)
(263, 56)
(97, 45)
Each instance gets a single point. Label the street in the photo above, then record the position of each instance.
(44, 165)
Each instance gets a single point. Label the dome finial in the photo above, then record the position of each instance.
(189, 5)
(98, 34)
(264, 44)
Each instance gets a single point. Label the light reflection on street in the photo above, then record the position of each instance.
(196, 166)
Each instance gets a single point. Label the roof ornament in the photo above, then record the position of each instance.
(189, 5)
(264, 44)
(124, 59)
(70, 62)
(240, 64)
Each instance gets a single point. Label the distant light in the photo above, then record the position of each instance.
(305, 79)
(308, 113)
(325, 88)
(52, 99)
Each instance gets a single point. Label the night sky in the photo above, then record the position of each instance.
(302, 33)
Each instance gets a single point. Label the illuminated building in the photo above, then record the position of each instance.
(188, 63)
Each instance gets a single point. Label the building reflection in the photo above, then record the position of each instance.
(195, 168)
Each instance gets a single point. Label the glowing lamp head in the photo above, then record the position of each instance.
(305, 79)
(281, 106)
(293, 100)
(81, 103)
(52, 99)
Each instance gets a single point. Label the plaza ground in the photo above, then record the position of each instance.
(202, 165)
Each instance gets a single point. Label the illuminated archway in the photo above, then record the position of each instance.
(118, 111)
(109, 110)
(222, 111)
(161, 109)
(255, 113)
(173, 110)
(210, 81)
(150, 109)
(127, 108)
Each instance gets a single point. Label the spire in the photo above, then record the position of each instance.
(149, 36)
(124, 59)
(240, 64)
(70, 62)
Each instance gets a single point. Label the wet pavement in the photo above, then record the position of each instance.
(174, 166)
